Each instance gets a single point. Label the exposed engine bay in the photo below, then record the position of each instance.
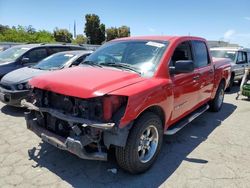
(85, 127)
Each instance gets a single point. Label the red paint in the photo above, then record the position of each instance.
(162, 90)
(110, 105)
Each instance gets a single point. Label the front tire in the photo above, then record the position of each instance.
(143, 144)
(216, 103)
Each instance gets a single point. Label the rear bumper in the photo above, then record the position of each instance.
(69, 144)
(12, 98)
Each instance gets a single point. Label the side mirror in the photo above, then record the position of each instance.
(182, 66)
(25, 60)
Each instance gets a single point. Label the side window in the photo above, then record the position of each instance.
(244, 57)
(53, 50)
(36, 55)
(201, 54)
(240, 57)
(182, 52)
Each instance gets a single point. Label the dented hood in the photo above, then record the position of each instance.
(85, 82)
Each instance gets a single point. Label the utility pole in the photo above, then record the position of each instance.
(74, 29)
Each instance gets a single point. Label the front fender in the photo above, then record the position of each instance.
(141, 96)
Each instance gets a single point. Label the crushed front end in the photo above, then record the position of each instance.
(84, 127)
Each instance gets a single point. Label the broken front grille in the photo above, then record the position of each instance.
(84, 108)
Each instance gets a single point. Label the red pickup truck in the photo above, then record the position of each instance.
(126, 96)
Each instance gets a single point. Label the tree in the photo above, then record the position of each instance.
(43, 36)
(30, 29)
(94, 31)
(80, 39)
(112, 33)
(101, 36)
(62, 35)
(123, 31)
(3, 28)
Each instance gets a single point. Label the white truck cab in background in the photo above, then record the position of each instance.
(240, 60)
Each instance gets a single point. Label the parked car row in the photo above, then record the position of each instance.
(29, 54)
(124, 96)
(14, 86)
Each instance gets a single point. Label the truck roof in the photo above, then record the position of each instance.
(160, 38)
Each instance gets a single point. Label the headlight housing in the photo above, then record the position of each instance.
(23, 86)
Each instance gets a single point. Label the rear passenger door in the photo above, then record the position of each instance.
(205, 70)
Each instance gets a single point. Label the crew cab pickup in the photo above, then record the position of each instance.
(126, 96)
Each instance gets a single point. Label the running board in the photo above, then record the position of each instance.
(186, 120)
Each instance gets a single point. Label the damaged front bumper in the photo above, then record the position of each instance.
(68, 118)
(72, 144)
(69, 144)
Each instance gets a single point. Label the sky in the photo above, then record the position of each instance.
(227, 20)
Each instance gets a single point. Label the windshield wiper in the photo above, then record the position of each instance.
(122, 65)
(91, 63)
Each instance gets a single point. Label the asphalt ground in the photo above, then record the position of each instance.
(212, 151)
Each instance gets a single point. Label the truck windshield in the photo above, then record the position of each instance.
(12, 54)
(137, 55)
(224, 54)
(56, 61)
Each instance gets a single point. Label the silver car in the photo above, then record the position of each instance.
(240, 60)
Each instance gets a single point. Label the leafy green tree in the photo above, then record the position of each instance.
(123, 31)
(62, 35)
(43, 36)
(94, 31)
(30, 29)
(112, 33)
(3, 28)
(80, 39)
(24, 34)
(101, 36)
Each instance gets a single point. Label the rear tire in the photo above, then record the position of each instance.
(143, 144)
(216, 103)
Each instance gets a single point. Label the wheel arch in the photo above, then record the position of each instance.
(156, 109)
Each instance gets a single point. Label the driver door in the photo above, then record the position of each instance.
(185, 85)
